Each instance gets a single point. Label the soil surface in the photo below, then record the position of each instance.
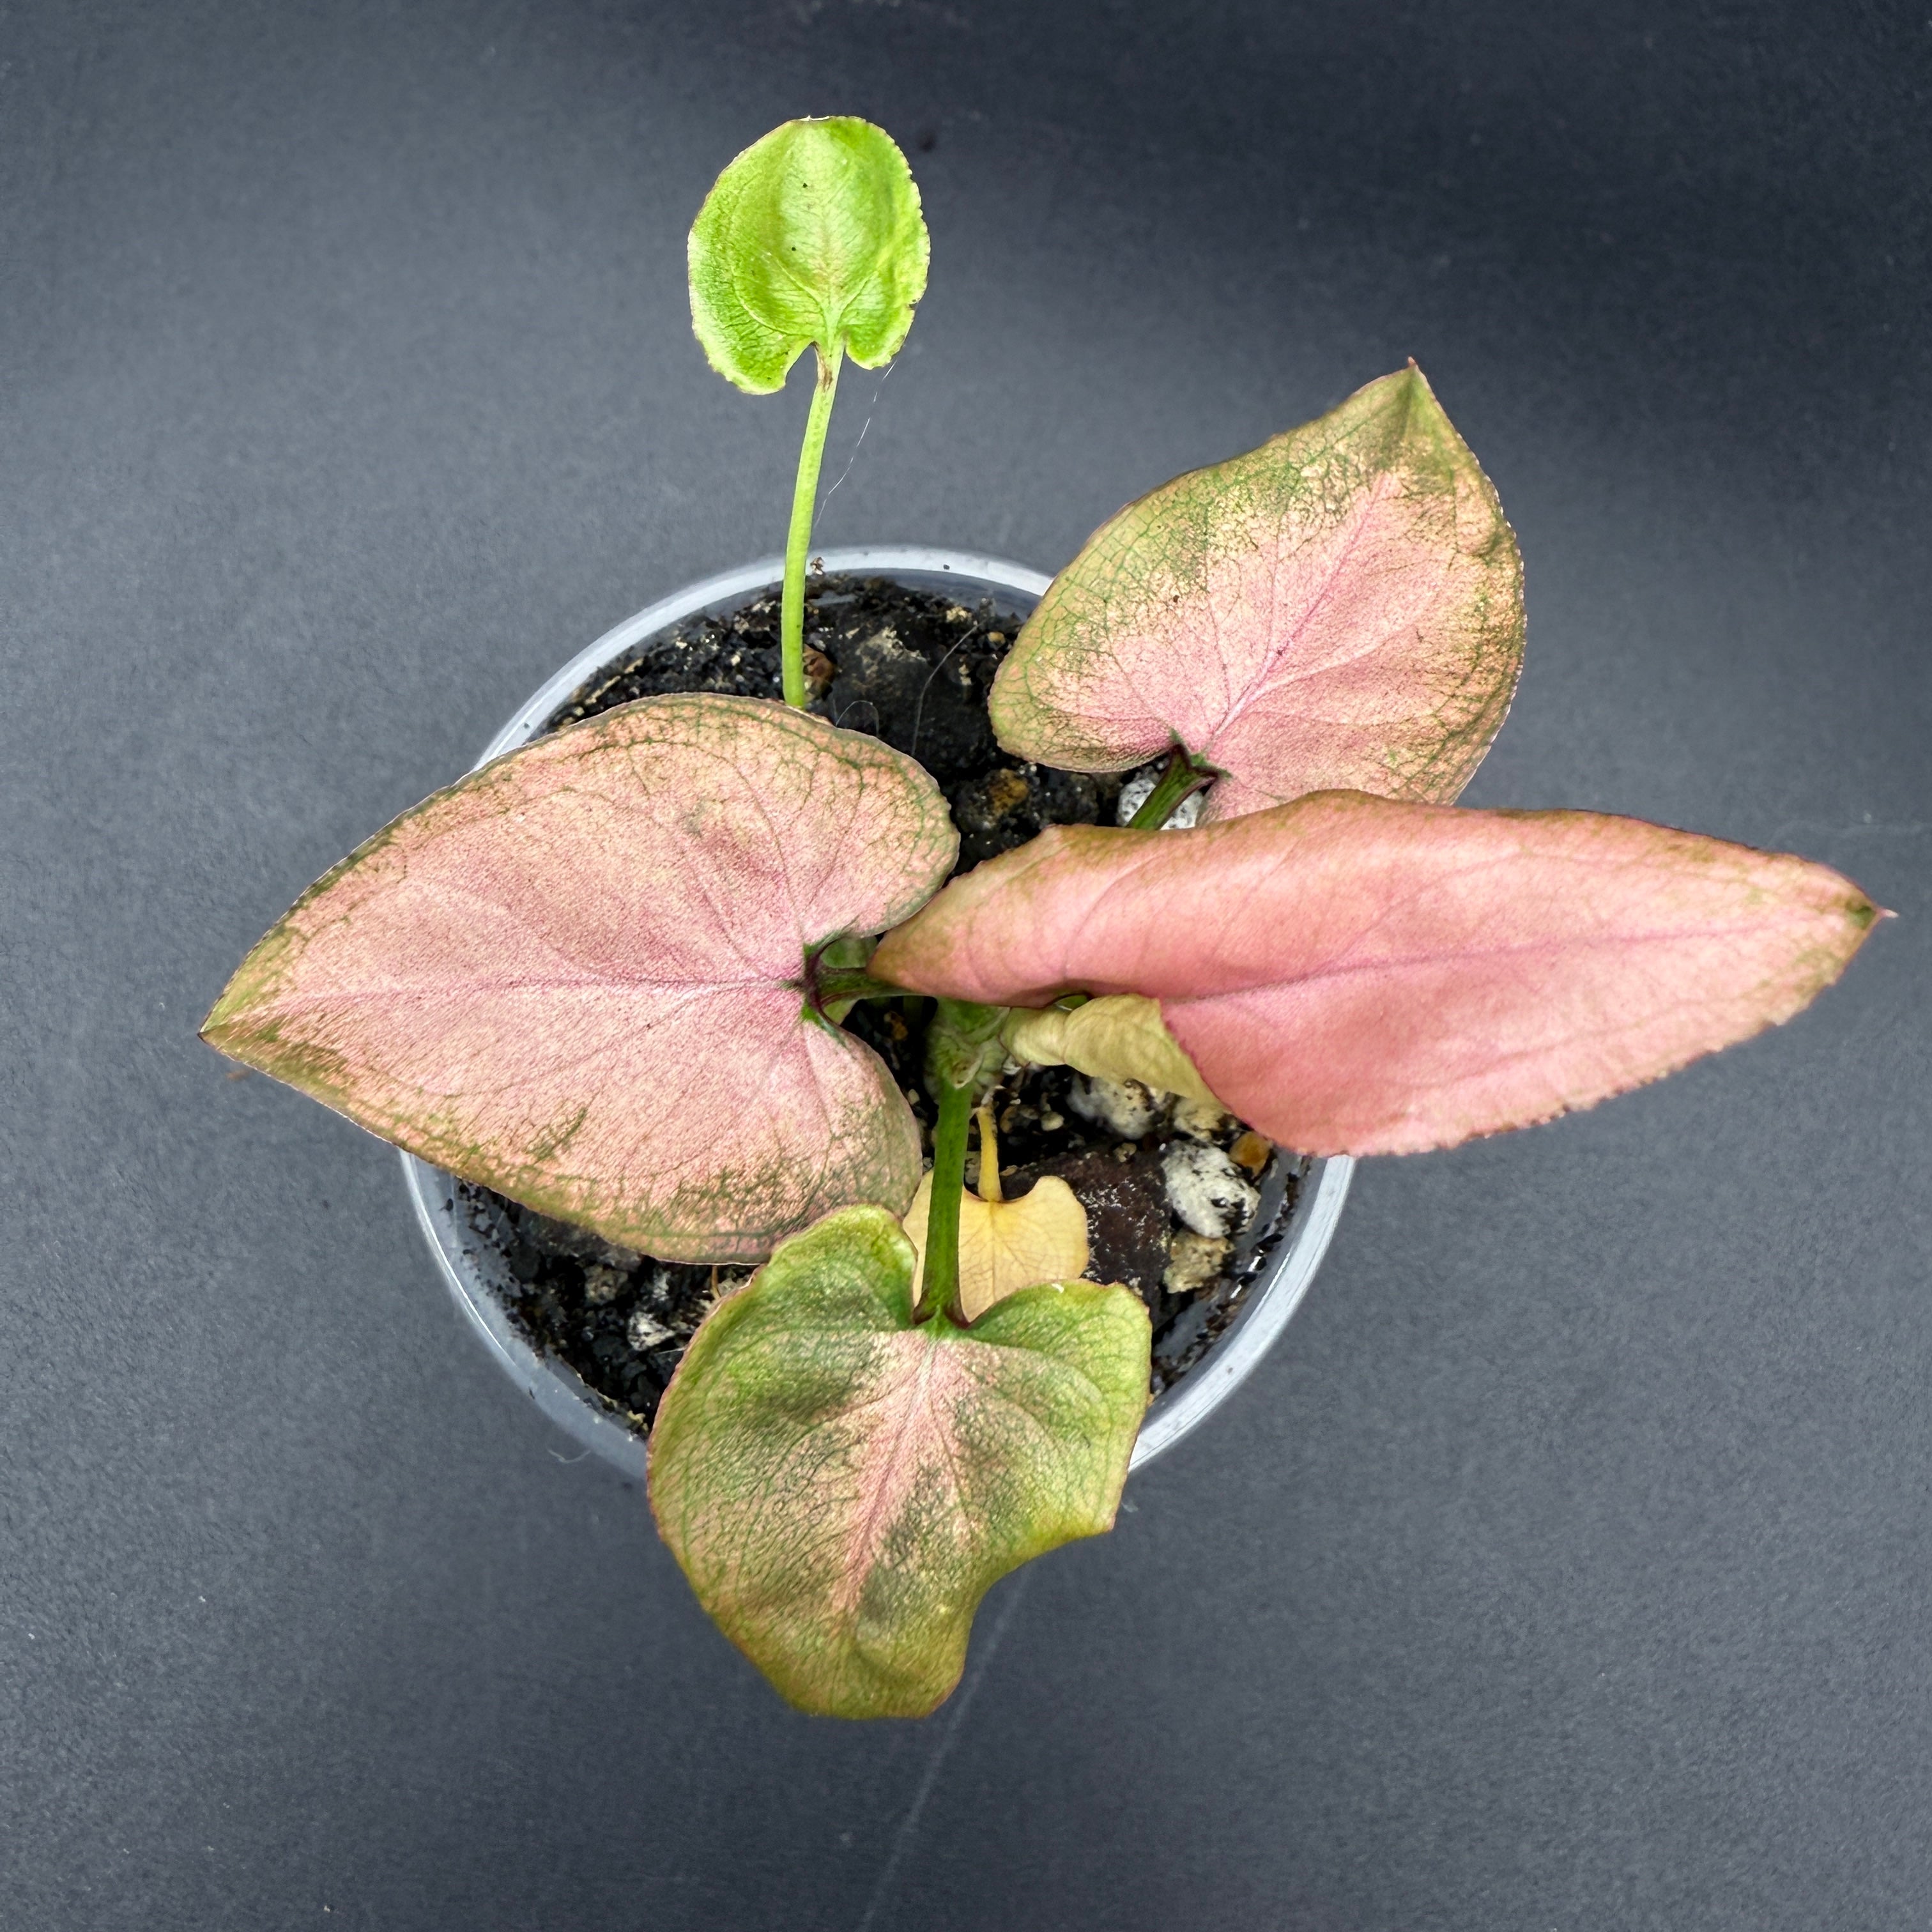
(913, 669)
(1185, 1205)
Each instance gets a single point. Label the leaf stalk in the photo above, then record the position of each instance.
(830, 991)
(798, 539)
(989, 1156)
(1184, 776)
(940, 1288)
(963, 1059)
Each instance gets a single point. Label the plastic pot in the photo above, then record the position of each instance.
(470, 1264)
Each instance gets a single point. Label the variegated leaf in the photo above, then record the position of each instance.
(1352, 975)
(1341, 607)
(576, 975)
(842, 1486)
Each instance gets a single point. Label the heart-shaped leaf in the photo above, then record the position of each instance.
(575, 976)
(1352, 975)
(842, 1486)
(812, 235)
(1341, 607)
(1005, 1245)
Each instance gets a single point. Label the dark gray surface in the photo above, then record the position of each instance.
(1566, 1567)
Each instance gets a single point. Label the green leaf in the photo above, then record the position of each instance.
(841, 1487)
(812, 235)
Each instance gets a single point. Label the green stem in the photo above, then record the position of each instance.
(834, 985)
(798, 539)
(941, 1287)
(963, 1055)
(1184, 776)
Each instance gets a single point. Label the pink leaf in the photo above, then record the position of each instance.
(1355, 976)
(574, 977)
(1341, 607)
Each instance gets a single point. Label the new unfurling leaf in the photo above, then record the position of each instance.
(812, 235)
(842, 1486)
(576, 976)
(1352, 975)
(1341, 607)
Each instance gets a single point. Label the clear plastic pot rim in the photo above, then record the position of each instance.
(462, 1256)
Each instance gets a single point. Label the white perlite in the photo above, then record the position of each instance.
(1125, 1108)
(602, 1283)
(1198, 1120)
(1206, 1190)
(1139, 789)
(645, 1331)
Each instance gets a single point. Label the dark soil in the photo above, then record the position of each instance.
(914, 670)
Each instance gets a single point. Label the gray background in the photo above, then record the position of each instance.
(1565, 1567)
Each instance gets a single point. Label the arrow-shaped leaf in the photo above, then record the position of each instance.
(841, 1487)
(1341, 607)
(1354, 975)
(575, 976)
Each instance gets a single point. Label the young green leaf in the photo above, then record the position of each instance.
(812, 235)
(1341, 607)
(576, 975)
(1352, 975)
(842, 1487)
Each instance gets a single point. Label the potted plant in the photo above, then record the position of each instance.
(699, 977)
(592, 1333)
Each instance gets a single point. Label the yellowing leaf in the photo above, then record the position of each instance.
(1121, 1036)
(1004, 1245)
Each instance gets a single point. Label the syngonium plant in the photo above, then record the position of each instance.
(605, 975)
